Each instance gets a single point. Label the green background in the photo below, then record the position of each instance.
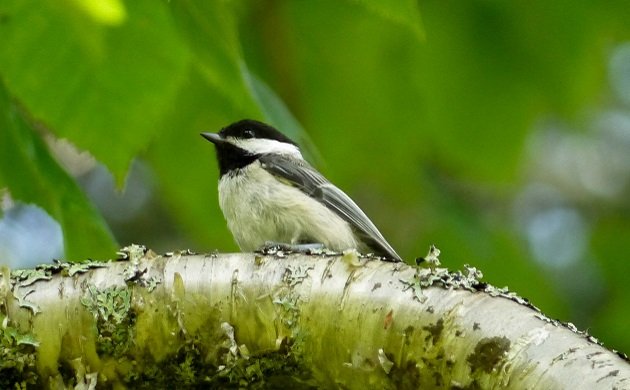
(498, 131)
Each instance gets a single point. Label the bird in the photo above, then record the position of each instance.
(269, 193)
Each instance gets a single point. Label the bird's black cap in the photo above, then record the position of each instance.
(249, 128)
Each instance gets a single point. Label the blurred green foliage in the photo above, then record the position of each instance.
(421, 111)
(33, 176)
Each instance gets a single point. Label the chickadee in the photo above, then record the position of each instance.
(269, 193)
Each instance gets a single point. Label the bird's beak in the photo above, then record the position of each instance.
(213, 137)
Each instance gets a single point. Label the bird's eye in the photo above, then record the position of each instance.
(248, 134)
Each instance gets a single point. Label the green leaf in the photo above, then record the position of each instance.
(278, 114)
(404, 12)
(210, 30)
(100, 77)
(32, 176)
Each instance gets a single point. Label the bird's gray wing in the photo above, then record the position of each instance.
(301, 175)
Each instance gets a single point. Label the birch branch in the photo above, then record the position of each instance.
(313, 321)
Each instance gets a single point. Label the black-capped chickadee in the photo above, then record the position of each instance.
(269, 193)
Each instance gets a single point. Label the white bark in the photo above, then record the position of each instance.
(353, 323)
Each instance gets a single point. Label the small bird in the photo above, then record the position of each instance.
(268, 194)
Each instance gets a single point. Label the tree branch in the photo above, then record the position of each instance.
(323, 321)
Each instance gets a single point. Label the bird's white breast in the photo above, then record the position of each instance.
(258, 208)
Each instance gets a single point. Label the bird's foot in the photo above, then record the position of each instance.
(273, 247)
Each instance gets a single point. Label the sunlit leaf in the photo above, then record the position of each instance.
(107, 12)
(102, 85)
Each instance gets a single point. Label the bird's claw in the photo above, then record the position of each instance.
(271, 246)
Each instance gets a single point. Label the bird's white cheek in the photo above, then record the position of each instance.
(263, 146)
